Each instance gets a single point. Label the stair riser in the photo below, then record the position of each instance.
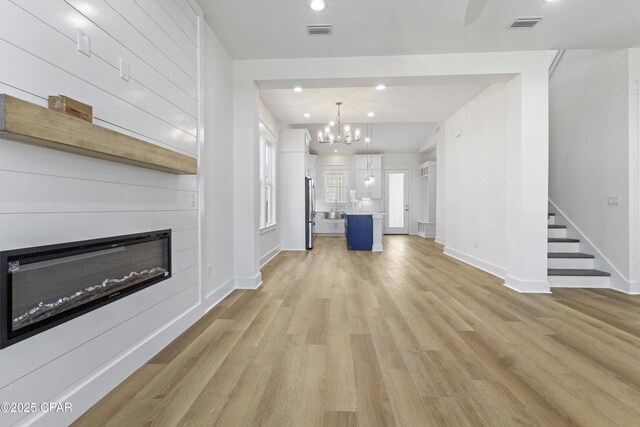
(570, 263)
(559, 233)
(551, 220)
(563, 247)
(578, 282)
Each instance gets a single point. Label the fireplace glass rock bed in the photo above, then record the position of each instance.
(45, 286)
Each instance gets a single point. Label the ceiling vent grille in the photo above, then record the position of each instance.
(316, 30)
(527, 22)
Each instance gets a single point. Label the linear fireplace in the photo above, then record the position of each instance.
(45, 286)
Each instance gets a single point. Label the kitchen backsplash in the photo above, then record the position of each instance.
(363, 206)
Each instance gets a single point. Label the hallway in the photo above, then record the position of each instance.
(406, 337)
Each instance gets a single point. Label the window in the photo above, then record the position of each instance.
(335, 186)
(268, 150)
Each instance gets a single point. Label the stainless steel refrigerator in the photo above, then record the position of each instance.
(310, 211)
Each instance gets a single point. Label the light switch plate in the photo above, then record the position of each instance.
(84, 43)
(614, 201)
(124, 70)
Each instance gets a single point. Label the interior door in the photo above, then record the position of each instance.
(396, 219)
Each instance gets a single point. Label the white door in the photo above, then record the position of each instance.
(397, 201)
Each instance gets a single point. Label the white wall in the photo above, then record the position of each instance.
(441, 218)
(217, 168)
(634, 172)
(270, 237)
(589, 148)
(476, 181)
(52, 197)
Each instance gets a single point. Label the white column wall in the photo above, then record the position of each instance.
(246, 183)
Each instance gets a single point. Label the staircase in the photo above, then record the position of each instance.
(567, 266)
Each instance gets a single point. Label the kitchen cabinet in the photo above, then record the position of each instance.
(372, 191)
(365, 161)
(334, 226)
(311, 166)
(293, 145)
(368, 165)
(319, 220)
(359, 232)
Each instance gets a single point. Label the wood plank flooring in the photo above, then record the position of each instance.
(407, 337)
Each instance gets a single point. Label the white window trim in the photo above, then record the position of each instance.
(270, 139)
(335, 168)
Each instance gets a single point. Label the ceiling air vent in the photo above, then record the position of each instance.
(527, 22)
(315, 30)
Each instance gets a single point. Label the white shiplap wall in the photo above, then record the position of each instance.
(52, 197)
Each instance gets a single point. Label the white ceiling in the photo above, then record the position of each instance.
(405, 112)
(252, 29)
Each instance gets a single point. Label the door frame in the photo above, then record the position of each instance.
(407, 212)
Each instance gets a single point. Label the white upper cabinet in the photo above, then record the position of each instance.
(365, 161)
(368, 165)
(294, 141)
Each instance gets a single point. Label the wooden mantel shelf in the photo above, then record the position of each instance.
(30, 123)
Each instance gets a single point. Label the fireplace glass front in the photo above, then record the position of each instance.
(48, 285)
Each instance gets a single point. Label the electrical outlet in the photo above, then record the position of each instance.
(614, 201)
(124, 70)
(192, 200)
(476, 243)
(84, 43)
(209, 270)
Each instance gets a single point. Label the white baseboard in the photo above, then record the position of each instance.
(269, 256)
(213, 298)
(440, 240)
(476, 262)
(94, 387)
(617, 281)
(527, 286)
(376, 248)
(248, 282)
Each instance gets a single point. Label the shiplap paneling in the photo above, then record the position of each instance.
(53, 197)
(180, 17)
(188, 10)
(23, 30)
(70, 227)
(167, 23)
(62, 17)
(61, 164)
(32, 74)
(148, 29)
(105, 17)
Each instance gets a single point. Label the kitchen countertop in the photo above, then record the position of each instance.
(363, 213)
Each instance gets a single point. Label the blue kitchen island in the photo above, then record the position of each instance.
(363, 231)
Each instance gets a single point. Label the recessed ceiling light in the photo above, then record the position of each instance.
(297, 89)
(335, 151)
(307, 115)
(381, 87)
(371, 114)
(367, 139)
(318, 5)
(332, 123)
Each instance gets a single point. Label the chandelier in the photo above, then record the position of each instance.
(342, 134)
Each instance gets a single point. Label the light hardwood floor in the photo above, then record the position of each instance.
(408, 337)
